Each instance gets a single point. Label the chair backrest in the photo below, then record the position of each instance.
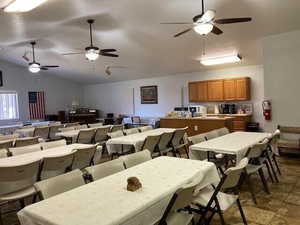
(59, 184)
(234, 174)
(41, 132)
(71, 124)
(223, 131)
(83, 157)
(131, 131)
(136, 158)
(79, 127)
(53, 130)
(24, 149)
(6, 144)
(178, 136)
(3, 153)
(54, 166)
(151, 142)
(86, 136)
(211, 135)
(275, 137)
(145, 128)
(197, 139)
(20, 142)
(105, 169)
(16, 178)
(136, 119)
(101, 134)
(115, 128)
(257, 150)
(53, 144)
(165, 140)
(95, 125)
(116, 134)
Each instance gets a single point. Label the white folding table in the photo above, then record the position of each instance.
(107, 202)
(135, 140)
(236, 143)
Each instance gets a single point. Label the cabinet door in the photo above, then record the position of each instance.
(243, 89)
(202, 91)
(229, 89)
(193, 92)
(215, 90)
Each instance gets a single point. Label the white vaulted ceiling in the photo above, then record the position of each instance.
(146, 47)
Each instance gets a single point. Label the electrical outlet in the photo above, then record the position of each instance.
(195, 128)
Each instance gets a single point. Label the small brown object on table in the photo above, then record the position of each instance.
(133, 184)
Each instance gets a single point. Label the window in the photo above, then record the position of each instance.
(9, 108)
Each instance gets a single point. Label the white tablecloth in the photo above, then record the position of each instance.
(107, 202)
(136, 140)
(236, 143)
(25, 132)
(29, 157)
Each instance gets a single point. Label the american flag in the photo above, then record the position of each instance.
(36, 105)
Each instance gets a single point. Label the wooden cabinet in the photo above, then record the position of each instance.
(215, 90)
(240, 122)
(243, 89)
(193, 92)
(229, 89)
(236, 89)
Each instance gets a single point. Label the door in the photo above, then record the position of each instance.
(202, 91)
(243, 89)
(193, 92)
(229, 89)
(215, 90)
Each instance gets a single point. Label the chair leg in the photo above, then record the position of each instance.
(276, 164)
(187, 151)
(241, 211)
(269, 171)
(22, 202)
(247, 177)
(272, 168)
(264, 181)
(220, 213)
(1, 222)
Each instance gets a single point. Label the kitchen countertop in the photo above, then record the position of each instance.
(228, 115)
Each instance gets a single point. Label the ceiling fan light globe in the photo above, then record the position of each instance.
(203, 28)
(34, 68)
(92, 54)
(208, 16)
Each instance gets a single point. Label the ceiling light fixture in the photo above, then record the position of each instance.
(221, 60)
(23, 6)
(34, 67)
(92, 53)
(203, 28)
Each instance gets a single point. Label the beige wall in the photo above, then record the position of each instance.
(282, 77)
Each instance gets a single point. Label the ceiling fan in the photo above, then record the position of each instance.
(205, 23)
(35, 67)
(92, 52)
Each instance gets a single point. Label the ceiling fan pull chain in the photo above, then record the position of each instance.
(203, 47)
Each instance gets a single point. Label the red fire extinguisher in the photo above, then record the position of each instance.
(267, 109)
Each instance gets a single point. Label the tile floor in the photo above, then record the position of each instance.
(281, 207)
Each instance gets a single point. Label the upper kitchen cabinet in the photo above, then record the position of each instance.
(229, 89)
(243, 86)
(215, 90)
(236, 89)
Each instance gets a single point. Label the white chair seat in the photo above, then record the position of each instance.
(225, 200)
(18, 195)
(253, 168)
(179, 218)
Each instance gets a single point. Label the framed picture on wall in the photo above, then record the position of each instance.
(149, 95)
(1, 79)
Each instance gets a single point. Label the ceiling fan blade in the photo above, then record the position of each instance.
(73, 53)
(43, 68)
(208, 16)
(108, 54)
(50, 66)
(217, 31)
(183, 32)
(108, 50)
(176, 23)
(233, 20)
